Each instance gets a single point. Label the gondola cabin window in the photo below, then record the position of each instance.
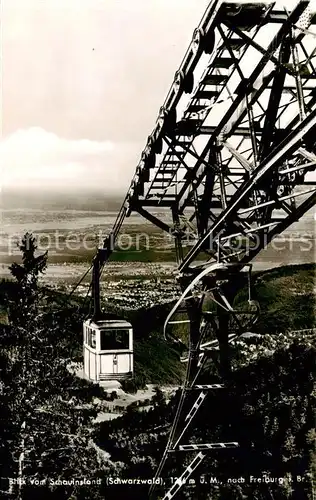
(114, 339)
(90, 337)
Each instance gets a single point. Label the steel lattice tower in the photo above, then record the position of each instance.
(232, 157)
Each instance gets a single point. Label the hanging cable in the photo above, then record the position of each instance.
(68, 297)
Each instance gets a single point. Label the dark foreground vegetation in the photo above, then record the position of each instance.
(47, 435)
(267, 408)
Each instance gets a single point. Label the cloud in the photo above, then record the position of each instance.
(38, 140)
(35, 158)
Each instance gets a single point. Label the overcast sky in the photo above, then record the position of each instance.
(83, 81)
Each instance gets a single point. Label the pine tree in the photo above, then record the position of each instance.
(27, 275)
(47, 412)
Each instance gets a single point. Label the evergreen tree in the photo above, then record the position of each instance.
(47, 412)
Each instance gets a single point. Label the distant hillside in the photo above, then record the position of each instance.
(47, 200)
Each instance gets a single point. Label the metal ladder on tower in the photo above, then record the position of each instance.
(199, 352)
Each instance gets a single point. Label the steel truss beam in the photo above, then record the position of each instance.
(287, 147)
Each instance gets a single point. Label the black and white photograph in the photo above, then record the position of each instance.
(157, 243)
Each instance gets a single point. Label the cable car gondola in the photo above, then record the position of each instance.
(108, 349)
(107, 340)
